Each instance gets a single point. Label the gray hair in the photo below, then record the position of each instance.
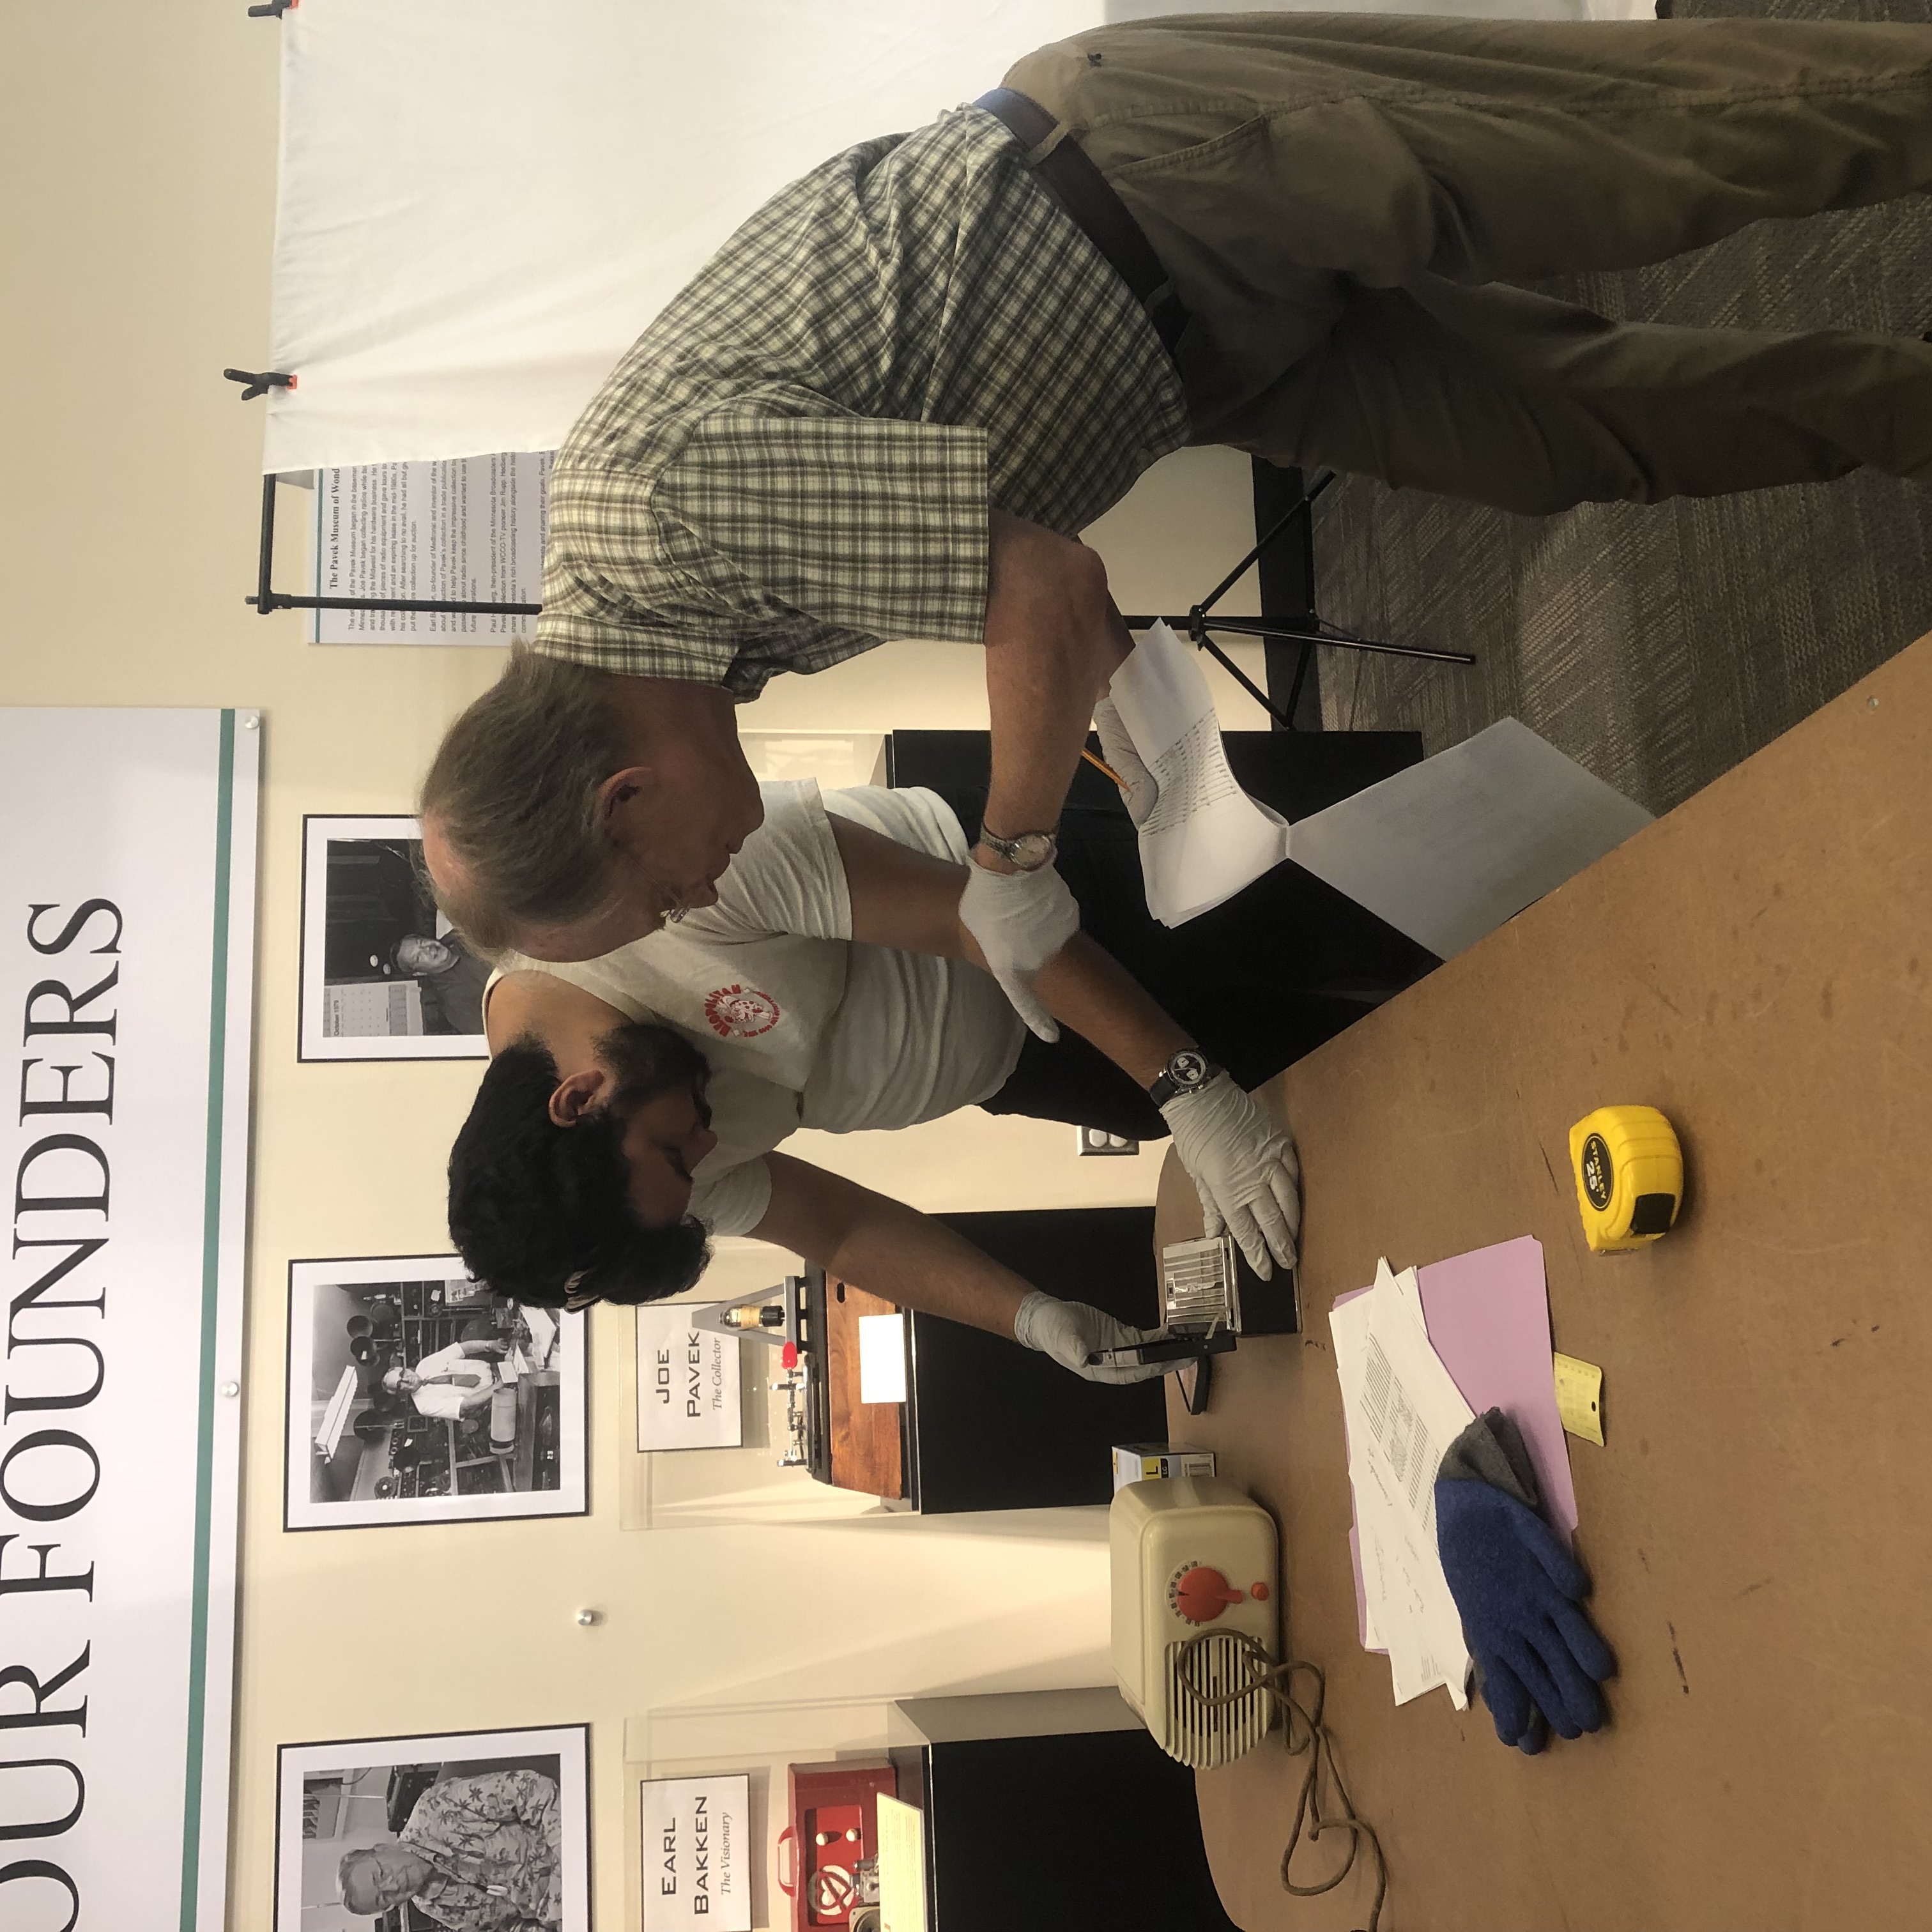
(513, 790)
(347, 1874)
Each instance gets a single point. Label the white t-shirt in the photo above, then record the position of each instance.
(802, 1026)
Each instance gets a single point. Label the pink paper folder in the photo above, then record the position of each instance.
(1488, 1316)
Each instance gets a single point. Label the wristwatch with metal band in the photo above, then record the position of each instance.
(1026, 854)
(1188, 1072)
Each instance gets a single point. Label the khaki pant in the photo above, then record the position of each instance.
(1341, 200)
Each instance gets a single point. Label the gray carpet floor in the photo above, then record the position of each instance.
(1657, 644)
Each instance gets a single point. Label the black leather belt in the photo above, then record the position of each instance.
(1102, 216)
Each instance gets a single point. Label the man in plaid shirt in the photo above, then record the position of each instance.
(890, 403)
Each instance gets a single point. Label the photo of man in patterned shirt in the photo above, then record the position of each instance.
(889, 405)
(477, 1854)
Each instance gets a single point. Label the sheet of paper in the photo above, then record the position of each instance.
(1448, 850)
(1205, 838)
(1402, 1411)
(901, 1866)
(1423, 1653)
(1488, 1313)
(1390, 1605)
(1348, 1369)
(882, 1358)
(470, 530)
(1413, 1411)
(1404, 1289)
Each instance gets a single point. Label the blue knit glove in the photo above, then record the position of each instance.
(1519, 1590)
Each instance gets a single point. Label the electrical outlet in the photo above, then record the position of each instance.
(1097, 1140)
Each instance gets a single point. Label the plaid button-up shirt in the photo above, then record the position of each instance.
(796, 460)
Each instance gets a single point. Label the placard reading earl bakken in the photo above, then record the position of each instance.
(698, 1853)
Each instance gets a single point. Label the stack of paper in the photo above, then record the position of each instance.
(1402, 1410)
(1205, 838)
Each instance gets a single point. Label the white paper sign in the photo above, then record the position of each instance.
(882, 1362)
(127, 931)
(688, 1382)
(1449, 849)
(901, 1866)
(697, 1852)
(468, 531)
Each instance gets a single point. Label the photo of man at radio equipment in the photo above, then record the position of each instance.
(635, 1102)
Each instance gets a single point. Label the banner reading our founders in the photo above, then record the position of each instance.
(126, 919)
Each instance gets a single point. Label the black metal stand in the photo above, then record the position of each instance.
(1196, 624)
(267, 598)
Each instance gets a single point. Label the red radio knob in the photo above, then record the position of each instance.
(1201, 1594)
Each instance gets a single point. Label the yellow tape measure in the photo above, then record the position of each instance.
(1630, 1177)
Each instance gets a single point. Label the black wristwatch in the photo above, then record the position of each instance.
(1188, 1072)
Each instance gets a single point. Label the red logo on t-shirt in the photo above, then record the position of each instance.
(741, 1012)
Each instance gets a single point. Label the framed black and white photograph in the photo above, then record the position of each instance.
(415, 1395)
(383, 975)
(436, 1833)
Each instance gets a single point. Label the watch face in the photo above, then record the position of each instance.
(1026, 854)
(1187, 1068)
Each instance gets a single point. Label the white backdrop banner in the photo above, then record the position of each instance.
(127, 949)
(482, 203)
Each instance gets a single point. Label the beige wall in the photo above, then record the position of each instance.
(139, 148)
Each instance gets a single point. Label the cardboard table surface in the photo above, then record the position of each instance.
(1758, 1522)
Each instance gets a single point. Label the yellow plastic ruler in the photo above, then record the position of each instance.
(1580, 1398)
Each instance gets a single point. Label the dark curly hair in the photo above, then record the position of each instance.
(541, 1213)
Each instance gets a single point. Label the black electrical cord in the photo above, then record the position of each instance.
(1303, 1731)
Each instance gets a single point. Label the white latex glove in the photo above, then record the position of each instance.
(1243, 1168)
(1021, 920)
(1117, 749)
(1070, 1331)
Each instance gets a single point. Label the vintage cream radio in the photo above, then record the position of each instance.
(1193, 1557)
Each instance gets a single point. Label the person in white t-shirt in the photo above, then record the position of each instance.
(636, 1102)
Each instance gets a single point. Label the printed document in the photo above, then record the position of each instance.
(1205, 838)
(468, 531)
(1402, 1412)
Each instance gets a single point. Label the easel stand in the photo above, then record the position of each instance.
(267, 598)
(1197, 624)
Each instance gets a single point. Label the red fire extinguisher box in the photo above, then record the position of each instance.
(832, 1814)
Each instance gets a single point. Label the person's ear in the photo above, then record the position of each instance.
(576, 1095)
(618, 796)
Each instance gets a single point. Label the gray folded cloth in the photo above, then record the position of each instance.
(1491, 1450)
